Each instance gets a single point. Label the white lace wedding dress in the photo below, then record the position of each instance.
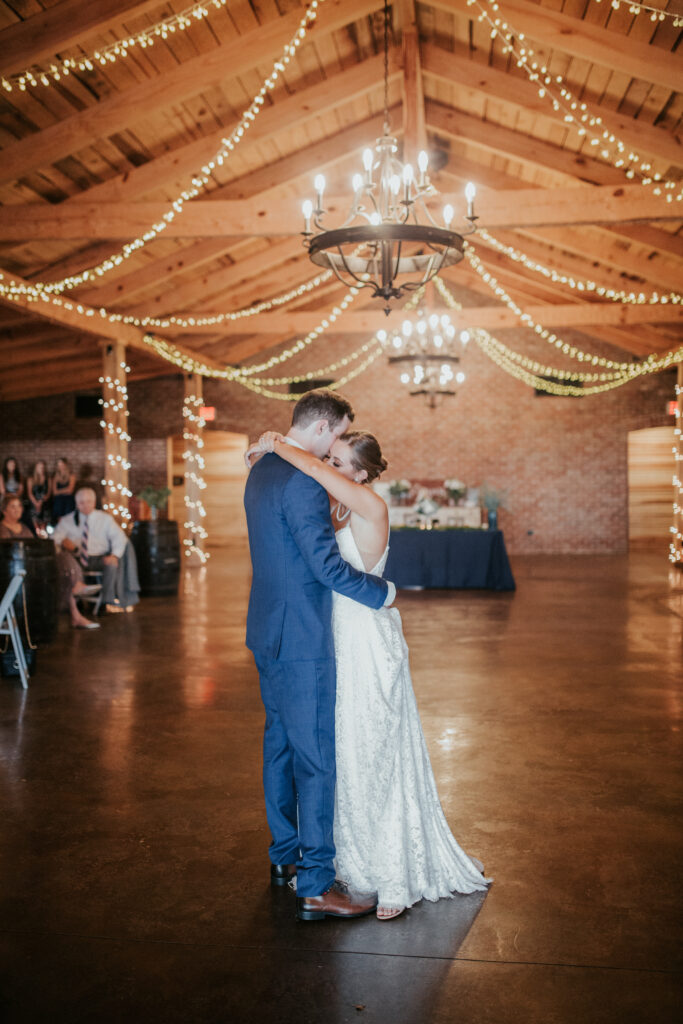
(389, 829)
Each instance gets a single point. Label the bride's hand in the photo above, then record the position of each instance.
(266, 441)
(251, 455)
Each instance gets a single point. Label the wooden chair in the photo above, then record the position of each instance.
(9, 627)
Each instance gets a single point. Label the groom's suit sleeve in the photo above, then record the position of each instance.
(307, 510)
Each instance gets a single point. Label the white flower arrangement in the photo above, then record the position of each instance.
(426, 504)
(456, 489)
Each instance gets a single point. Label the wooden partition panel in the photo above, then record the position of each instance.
(225, 476)
(650, 472)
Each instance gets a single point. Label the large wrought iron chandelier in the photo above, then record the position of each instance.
(427, 351)
(382, 239)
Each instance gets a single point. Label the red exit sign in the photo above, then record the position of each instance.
(672, 407)
(208, 412)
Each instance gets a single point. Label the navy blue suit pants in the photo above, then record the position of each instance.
(299, 771)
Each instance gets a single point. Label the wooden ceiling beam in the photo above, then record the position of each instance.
(173, 170)
(606, 204)
(131, 106)
(366, 323)
(607, 248)
(322, 155)
(514, 145)
(186, 296)
(588, 42)
(505, 87)
(84, 319)
(62, 26)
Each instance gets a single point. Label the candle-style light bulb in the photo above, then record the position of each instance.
(407, 328)
(464, 337)
(407, 181)
(319, 185)
(448, 214)
(470, 193)
(357, 182)
(422, 163)
(367, 164)
(307, 210)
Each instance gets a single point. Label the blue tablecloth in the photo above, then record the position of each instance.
(449, 559)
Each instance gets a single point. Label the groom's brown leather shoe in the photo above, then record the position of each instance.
(281, 874)
(336, 902)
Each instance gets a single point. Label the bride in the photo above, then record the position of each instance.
(390, 832)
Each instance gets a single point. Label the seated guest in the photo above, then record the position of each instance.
(38, 488)
(99, 544)
(71, 584)
(10, 481)
(63, 487)
(11, 526)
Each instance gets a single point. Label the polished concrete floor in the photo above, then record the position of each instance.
(133, 863)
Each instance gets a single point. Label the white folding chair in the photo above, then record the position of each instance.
(9, 627)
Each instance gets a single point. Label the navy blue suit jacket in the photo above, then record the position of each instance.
(296, 565)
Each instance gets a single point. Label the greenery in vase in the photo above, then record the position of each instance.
(492, 499)
(397, 488)
(155, 497)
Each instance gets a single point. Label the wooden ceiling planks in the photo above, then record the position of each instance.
(468, 83)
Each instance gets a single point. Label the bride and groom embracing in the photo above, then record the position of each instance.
(349, 788)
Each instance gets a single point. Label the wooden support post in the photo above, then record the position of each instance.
(114, 381)
(676, 546)
(193, 442)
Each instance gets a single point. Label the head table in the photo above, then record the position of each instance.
(448, 558)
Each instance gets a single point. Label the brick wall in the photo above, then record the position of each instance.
(562, 461)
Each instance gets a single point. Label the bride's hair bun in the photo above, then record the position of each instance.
(365, 452)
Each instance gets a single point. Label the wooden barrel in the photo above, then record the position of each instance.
(40, 593)
(157, 549)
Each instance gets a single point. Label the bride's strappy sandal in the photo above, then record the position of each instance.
(388, 913)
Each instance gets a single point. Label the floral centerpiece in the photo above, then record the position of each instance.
(455, 489)
(426, 505)
(399, 489)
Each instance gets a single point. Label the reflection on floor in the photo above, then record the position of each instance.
(133, 847)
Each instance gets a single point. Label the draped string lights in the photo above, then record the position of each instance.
(38, 75)
(654, 13)
(201, 178)
(527, 370)
(580, 284)
(195, 482)
(575, 113)
(114, 403)
(676, 545)
(570, 350)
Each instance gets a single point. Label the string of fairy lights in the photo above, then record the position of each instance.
(47, 75)
(114, 404)
(654, 13)
(201, 178)
(194, 465)
(577, 283)
(575, 113)
(39, 75)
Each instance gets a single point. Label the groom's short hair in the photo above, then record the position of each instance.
(321, 404)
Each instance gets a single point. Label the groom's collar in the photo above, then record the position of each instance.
(294, 444)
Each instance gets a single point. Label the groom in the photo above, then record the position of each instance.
(296, 566)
